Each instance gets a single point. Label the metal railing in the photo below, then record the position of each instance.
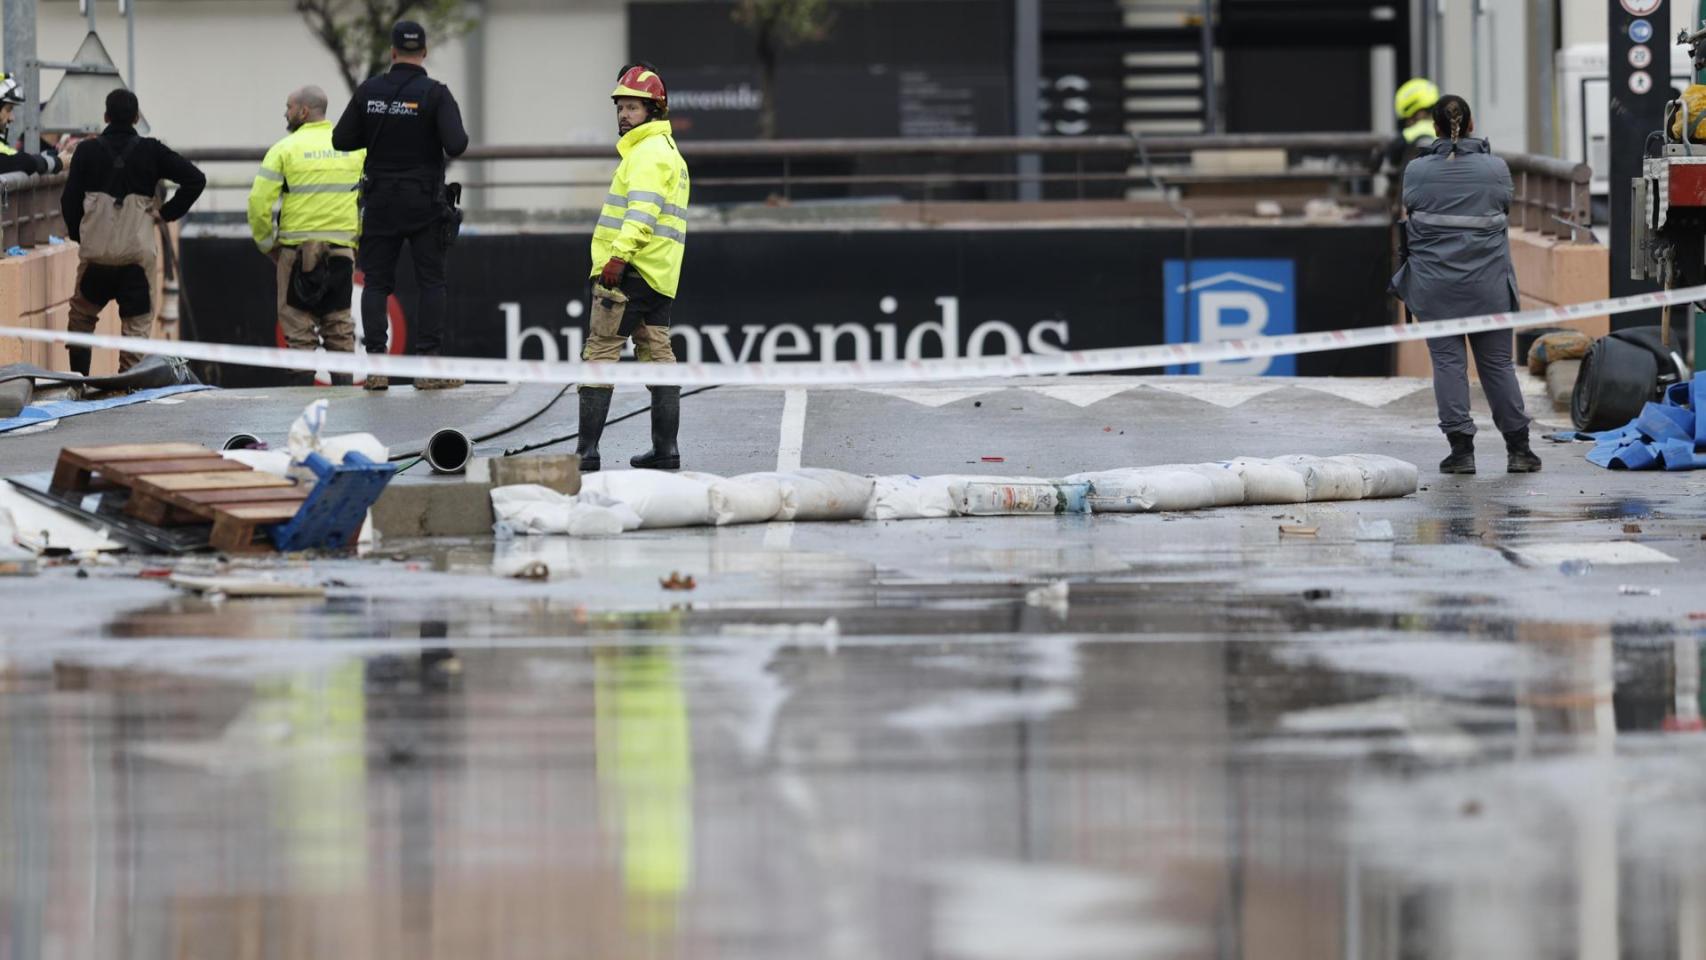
(29, 209)
(1552, 196)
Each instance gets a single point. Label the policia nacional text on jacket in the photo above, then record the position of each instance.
(408, 123)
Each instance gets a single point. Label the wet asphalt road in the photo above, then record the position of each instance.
(1145, 736)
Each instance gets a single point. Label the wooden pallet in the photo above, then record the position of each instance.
(182, 483)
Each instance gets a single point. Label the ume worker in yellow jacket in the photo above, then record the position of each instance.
(637, 249)
(313, 237)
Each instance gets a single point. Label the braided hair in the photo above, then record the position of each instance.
(1452, 120)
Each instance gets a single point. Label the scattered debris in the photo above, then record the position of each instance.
(1317, 593)
(240, 587)
(154, 573)
(533, 570)
(1631, 590)
(1576, 568)
(1052, 596)
(1297, 530)
(16, 563)
(1379, 530)
(675, 581)
(1631, 528)
(1470, 808)
(994, 459)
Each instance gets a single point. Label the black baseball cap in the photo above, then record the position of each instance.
(408, 36)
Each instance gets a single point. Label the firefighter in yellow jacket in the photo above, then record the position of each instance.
(637, 248)
(313, 237)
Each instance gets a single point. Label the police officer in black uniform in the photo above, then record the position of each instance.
(408, 123)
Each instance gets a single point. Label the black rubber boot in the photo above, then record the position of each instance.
(1462, 459)
(1521, 458)
(79, 357)
(595, 407)
(666, 425)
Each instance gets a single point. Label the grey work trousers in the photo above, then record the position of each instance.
(1498, 380)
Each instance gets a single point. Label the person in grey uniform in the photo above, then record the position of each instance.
(1457, 263)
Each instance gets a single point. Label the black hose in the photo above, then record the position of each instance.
(489, 426)
(527, 447)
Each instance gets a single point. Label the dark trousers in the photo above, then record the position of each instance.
(395, 213)
(1493, 359)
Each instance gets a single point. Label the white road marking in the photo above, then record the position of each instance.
(1083, 394)
(1221, 393)
(932, 396)
(1612, 553)
(1370, 392)
(789, 448)
(793, 440)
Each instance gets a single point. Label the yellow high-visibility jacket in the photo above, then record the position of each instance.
(644, 220)
(318, 184)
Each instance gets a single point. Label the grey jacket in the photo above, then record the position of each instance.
(1459, 262)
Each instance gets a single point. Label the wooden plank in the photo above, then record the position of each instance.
(214, 497)
(137, 451)
(137, 468)
(232, 535)
(236, 480)
(260, 513)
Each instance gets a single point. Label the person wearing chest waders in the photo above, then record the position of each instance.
(1456, 262)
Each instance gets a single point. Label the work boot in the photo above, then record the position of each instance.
(79, 357)
(376, 382)
(666, 424)
(437, 383)
(1521, 459)
(595, 406)
(1462, 459)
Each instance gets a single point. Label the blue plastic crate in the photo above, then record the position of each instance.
(331, 517)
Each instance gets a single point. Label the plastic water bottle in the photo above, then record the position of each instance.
(1576, 568)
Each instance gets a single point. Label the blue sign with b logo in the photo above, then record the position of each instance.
(1231, 300)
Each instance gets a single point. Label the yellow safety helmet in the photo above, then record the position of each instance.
(1418, 93)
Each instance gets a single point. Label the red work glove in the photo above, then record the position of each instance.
(611, 278)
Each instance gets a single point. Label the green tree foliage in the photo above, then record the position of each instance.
(358, 32)
(778, 25)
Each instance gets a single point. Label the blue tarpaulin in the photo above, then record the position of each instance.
(1666, 436)
(59, 409)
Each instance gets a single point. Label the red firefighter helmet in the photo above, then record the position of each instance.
(642, 81)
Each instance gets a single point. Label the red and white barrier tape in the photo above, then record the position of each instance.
(832, 373)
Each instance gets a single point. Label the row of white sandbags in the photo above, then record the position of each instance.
(611, 502)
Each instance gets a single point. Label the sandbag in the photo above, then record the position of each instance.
(993, 497)
(748, 499)
(908, 497)
(1557, 345)
(1383, 477)
(814, 493)
(1325, 479)
(1228, 485)
(1147, 490)
(529, 508)
(1268, 482)
(662, 499)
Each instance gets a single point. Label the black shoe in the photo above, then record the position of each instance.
(1462, 459)
(79, 358)
(1521, 459)
(595, 407)
(666, 425)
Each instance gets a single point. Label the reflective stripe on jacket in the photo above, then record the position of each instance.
(318, 184)
(644, 219)
(1458, 199)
